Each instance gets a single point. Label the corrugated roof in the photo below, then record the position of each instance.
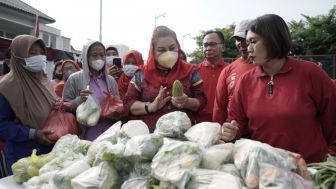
(24, 7)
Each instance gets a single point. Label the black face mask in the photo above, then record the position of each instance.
(58, 76)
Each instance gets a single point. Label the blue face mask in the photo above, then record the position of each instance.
(36, 63)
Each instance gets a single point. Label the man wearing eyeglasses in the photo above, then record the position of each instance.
(210, 69)
(230, 75)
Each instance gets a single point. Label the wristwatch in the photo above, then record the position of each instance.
(146, 107)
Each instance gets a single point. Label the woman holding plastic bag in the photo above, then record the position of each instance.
(26, 100)
(91, 86)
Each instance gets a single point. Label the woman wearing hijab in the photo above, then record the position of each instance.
(132, 61)
(68, 67)
(91, 80)
(149, 95)
(26, 106)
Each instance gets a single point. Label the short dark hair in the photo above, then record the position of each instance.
(219, 34)
(275, 34)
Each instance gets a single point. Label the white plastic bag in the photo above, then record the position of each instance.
(62, 178)
(214, 156)
(173, 125)
(132, 128)
(103, 176)
(111, 134)
(205, 133)
(174, 162)
(88, 113)
(143, 147)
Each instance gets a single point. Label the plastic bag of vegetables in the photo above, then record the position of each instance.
(231, 169)
(26, 168)
(41, 181)
(136, 183)
(60, 162)
(173, 125)
(132, 128)
(62, 178)
(248, 154)
(214, 156)
(96, 151)
(143, 147)
(174, 162)
(111, 134)
(103, 176)
(211, 179)
(88, 113)
(70, 143)
(278, 178)
(205, 133)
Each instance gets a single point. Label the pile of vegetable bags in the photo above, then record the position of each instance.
(177, 155)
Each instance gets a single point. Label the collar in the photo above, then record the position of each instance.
(285, 68)
(206, 63)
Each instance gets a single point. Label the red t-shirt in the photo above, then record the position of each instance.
(209, 74)
(225, 86)
(299, 116)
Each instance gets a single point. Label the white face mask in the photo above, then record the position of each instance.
(129, 70)
(97, 64)
(109, 60)
(36, 63)
(168, 59)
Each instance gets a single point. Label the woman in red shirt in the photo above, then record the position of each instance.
(149, 95)
(284, 102)
(132, 61)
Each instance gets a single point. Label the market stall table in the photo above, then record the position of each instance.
(9, 183)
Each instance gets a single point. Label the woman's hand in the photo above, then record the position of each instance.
(115, 71)
(159, 101)
(42, 137)
(84, 94)
(229, 131)
(180, 101)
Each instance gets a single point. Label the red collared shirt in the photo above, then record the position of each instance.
(298, 115)
(209, 74)
(225, 87)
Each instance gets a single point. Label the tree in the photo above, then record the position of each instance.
(230, 50)
(314, 35)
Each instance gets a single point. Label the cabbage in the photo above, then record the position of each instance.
(205, 133)
(173, 125)
(26, 168)
(70, 143)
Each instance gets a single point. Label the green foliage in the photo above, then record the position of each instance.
(312, 35)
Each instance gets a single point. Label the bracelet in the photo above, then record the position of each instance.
(146, 107)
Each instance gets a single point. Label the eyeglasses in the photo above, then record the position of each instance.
(211, 44)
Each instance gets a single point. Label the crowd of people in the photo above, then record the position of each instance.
(264, 94)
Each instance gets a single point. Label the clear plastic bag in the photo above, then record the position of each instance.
(173, 125)
(277, 178)
(214, 156)
(88, 113)
(174, 162)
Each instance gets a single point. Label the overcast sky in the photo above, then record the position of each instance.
(131, 22)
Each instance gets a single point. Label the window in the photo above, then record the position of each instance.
(45, 38)
(52, 41)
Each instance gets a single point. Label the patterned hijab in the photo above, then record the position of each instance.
(29, 94)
